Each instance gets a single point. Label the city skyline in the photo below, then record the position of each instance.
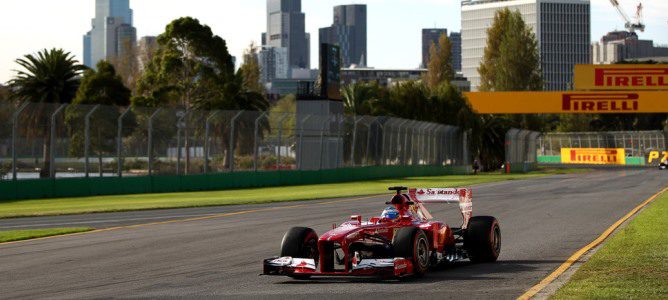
(111, 34)
(240, 22)
(348, 31)
(562, 29)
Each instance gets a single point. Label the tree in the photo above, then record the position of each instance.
(575, 123)
(440, 67)
(103, 87)
(250, 70)
(192, 63)
(48, 77)
(4, 93)
(359, 98)
(191, 69)
(127, 65)
(285, 106)
(5, 113)
(511, 61)
(488, 137)
(408, 100)
(250, 96)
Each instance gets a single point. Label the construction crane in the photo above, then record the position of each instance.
(637, 23)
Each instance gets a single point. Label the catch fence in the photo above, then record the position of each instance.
(636, 144)
(521, 150)
(39, 140)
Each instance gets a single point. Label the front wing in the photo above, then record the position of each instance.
(288, 266)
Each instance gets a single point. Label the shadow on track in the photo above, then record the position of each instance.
(464, 271)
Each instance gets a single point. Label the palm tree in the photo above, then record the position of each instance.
(359, 98)
(48, 77)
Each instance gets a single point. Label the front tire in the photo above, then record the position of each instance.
(482, 240)
(300, 242)
(412, 243)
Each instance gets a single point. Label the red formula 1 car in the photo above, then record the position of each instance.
(404, 241)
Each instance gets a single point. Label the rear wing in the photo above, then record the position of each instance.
(461, 196)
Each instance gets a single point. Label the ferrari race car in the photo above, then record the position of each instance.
(404, 241)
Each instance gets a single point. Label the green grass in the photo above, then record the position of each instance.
(63, 206)
(20, 235)
(633, 264)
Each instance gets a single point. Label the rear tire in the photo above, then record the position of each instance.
(300, 242)
(482, 239)
(412, 243)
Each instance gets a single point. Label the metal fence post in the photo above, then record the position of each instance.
(416, 131)
(15, 117)
(368, 142)
(430, 142)
(399, 137)
(150, 141)
(425, 142)
(257, 136)
(382, 144)
(354, 142)
(119, 142)
(207, 143)
(87, 140)
(231, 150)
(322, 140)
(301, 142)
(280, 140)
(404, 150)
(52, 155)
(179, 130)
(339, 139)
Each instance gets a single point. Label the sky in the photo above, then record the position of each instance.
(394, 26)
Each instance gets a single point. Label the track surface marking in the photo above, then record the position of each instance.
(543, 220)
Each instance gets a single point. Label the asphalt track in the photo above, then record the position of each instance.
(544, 220)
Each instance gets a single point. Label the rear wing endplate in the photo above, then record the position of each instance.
(461, 196)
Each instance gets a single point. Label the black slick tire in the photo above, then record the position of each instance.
(300, 242)
(482, 239)
(412, 243)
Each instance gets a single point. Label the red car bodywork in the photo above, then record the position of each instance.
(341, 250)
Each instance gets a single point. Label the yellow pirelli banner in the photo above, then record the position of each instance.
(593, 156)
(569, 102)
(621, 77)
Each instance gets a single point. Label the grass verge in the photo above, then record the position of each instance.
(633, 264)
(64, 206)
(21, 235)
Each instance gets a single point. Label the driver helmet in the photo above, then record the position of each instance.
(390, 213)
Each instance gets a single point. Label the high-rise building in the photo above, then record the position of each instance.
(286, 28)
(112, 31)
(430, 36)
(349, 32)
(456, 60)
(562, 27)
(618, 46)
(273, 63)
(87, 49)
(393, 77)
